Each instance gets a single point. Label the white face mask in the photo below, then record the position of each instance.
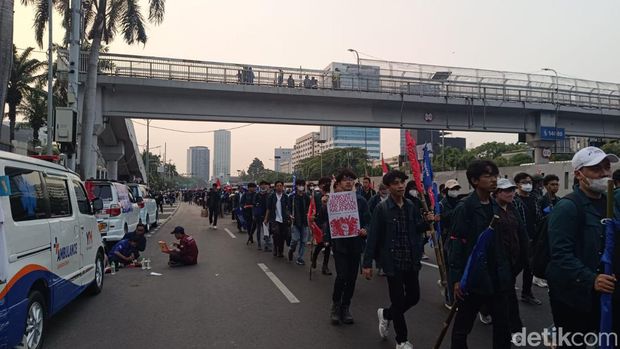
(526, 187)
(413, 193)
(598, 185)
(300, 188)
(453, 193)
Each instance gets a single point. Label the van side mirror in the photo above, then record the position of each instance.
(97, 204)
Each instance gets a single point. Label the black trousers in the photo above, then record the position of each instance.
(317, 250)
(573, 320)
(404, 289)
(499, 306)
(279, 232)
(213, 215)
(250, 225)
(347, 268)
(526, 289)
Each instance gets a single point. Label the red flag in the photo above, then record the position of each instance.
(218, 183)
(431, 197)
(413, 162)
(317, 233)
(383, 166)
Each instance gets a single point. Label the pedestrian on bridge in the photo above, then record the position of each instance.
(290, 82)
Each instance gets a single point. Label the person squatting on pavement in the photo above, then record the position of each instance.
(186, 252)
(300, 203)
(395, 238)
(278, 217)
(347, 254)
(320, 218)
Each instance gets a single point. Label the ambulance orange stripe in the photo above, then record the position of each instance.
(23, 272)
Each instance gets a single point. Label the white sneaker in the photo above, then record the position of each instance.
(485, 319)
(215, 227)
(404, 345)
(540, 282)
(384, 325)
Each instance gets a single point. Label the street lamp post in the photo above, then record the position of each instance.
(557, 107)
(321, 141)
(359, 82)
(50, 77)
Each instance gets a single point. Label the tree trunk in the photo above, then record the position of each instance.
(6, 49)
(87, 160)
(12, 116)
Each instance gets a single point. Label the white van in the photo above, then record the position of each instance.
(149, 214)
(120, 213)
(50, 246)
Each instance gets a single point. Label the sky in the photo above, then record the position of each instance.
(576, 38)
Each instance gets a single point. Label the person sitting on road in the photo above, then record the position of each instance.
(123, 252)
(186, 252)
(139, 235)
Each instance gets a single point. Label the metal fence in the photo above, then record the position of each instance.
(393, 78)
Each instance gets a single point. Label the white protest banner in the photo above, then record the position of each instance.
(344, 219)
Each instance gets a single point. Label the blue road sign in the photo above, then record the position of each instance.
(552, 133)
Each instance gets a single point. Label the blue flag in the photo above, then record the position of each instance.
(437, 211)
(427, 169)
(611, 226)
(294, 185)
(478, 255)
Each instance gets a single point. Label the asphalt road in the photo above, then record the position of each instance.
(229, 301)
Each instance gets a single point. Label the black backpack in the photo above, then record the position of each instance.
(541, 254)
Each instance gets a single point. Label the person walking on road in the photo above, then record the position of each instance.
(260, 209)
(214, 201)
(278, 217)
(247, 204)
(300, 231)
(395, 239)
(320, 199)
(347, 254)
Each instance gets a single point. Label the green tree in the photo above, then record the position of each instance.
(611, 148)
(333, 160)
(103, 19)
(25, 72)
(34, 110)
(256, 169)
(520, 159)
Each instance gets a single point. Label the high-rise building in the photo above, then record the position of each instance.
(368, 138)
(281, 155)
(305, 146)
(221, 155)
(198, 161)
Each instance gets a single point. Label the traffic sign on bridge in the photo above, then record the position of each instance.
(552, 133)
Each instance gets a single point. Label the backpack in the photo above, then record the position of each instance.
(541, 254)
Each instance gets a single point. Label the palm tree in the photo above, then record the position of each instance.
(6, 54)
(34, 109)
(24, 73)
(103, 19)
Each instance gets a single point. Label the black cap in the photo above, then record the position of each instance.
(178, 230)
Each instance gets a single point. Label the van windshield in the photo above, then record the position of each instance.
(103, 191)
(135, 191)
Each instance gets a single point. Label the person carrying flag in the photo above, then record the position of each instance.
(489, 282)
(320, 219)
(395, 238)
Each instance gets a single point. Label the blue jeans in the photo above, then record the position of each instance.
(299, 236)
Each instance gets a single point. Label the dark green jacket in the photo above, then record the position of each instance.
(470, 219)
(383, 229)
(575, 252)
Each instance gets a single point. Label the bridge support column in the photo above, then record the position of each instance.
(545, 138)
(111, 154)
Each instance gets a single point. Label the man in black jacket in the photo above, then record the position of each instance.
(347, 252)
(214, 200)
(320, 218)
(278, 217)
(300, 202)
(247, 205)
(395, 235)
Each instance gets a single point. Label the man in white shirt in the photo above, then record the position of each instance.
(278, 217)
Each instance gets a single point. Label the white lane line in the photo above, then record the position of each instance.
(430, 265)
(285, 291)
(230, 233)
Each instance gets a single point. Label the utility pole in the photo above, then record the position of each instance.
(50, 83)
(147, 157)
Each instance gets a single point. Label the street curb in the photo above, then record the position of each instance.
(161, 224)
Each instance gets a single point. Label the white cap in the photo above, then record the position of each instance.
(451, 183)
(505, 183)
(590, 156)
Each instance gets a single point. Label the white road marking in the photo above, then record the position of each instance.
(430, 265)
(285, 291)
(230, 233)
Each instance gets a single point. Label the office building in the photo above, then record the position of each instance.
(198, 162)
(281, 155)
(305, 146)
(368, 138)
(221, 155)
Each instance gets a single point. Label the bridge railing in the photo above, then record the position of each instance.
(393, 82)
